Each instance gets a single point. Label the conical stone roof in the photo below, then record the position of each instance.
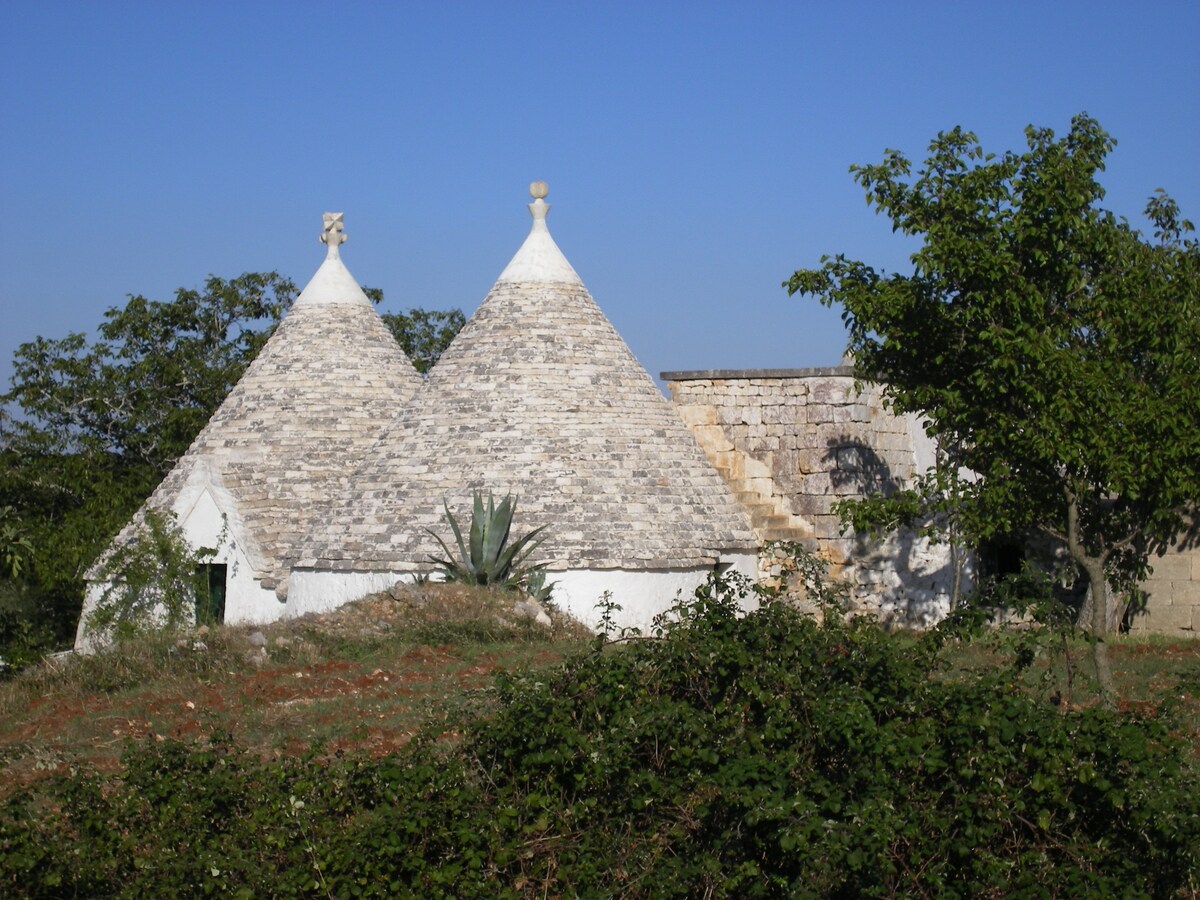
(281, 446)
(538, 396)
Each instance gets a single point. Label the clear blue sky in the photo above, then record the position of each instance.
(696, 152)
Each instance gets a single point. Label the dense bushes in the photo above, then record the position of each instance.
(757, 755)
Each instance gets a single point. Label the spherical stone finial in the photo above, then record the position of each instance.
(538, 190)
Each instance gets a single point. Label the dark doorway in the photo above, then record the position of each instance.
(1000, 557)
(210, 594)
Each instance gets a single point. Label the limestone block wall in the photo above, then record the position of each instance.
(1173, 595)
(791, 443)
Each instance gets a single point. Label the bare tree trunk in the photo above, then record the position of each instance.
(1098, 627)
(957, 556)
(957, 565)
(1116, 611)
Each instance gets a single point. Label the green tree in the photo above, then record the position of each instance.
(14, 545)
(1051, 348)
(424, 333)
(145, 388)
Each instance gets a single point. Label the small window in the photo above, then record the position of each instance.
(210, 599)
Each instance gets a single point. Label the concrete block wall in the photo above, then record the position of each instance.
(793, 442)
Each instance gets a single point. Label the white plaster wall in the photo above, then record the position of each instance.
(924, 447)
(906, 579)
(641, 594)
(316, 591)
(205, 523)
(86, 640)
(246, 600)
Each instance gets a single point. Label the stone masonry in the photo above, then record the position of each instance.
(539, 396)
(791, 443)
(1173, 595)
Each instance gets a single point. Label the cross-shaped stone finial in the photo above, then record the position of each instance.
(333, 234)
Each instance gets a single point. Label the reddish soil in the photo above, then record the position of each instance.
(279, 707)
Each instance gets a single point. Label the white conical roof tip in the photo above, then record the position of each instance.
(332, 282)
(539, 259)
(333, 234)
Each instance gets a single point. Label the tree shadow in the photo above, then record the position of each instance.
(856, 469)
(855, 464)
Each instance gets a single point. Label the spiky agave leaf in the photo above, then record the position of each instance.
(497, 528)
(456, 572)
(516, 554)
(478, 527)
(462, 550)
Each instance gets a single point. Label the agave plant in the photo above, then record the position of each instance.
(487, 557)
(537, 587)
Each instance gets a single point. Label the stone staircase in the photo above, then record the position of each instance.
(753, 488)
(751, 480)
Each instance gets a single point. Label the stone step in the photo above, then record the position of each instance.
(751, 498)
(783, 534)
(769, 519)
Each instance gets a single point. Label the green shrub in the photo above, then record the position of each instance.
(734, 755)
(767, 755)
(150, 581)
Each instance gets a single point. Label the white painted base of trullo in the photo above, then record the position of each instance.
(641, 594)
(319, 591)
(246, 603)
(207, 517)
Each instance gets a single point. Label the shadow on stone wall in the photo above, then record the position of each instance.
(900, 574)
(855, 468)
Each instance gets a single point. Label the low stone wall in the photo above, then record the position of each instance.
(791, 443)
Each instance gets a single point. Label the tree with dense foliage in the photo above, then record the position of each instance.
(90, 426)
(424, 333)
(1052, 350)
